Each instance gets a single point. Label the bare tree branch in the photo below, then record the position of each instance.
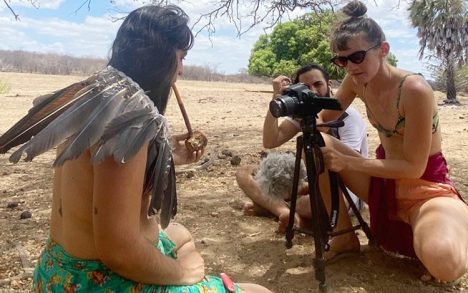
(11, 9)
(83, 4)
(243, 14)
(270, 13)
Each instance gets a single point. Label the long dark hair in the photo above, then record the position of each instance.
(145, 48)
(354, 24)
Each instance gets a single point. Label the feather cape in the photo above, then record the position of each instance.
(111, 112)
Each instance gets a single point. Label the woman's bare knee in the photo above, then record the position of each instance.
(440, 238)
(442, 257)
(178, 234)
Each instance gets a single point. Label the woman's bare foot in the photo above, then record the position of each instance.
(342, 246)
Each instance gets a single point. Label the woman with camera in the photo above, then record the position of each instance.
(414, 208)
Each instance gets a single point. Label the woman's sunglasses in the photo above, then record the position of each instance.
(356, 57)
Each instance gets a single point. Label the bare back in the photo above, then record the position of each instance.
(72, 209)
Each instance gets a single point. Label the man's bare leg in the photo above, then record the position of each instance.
(245, 180)
(252, 209)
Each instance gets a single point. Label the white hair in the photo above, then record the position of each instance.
(275, 175)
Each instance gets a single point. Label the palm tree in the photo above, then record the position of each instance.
(443, 29)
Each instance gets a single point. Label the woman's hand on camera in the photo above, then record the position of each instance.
(333, 160)
(280, 83)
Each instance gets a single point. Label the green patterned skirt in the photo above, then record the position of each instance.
(57, 271)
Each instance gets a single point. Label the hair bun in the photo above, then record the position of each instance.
(355, 9)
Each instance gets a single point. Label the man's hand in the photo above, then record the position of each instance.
(280, 84)
(180, 152)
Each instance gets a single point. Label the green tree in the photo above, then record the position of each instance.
(392, 59)
(443, 29)
(293, 44)
(260, 62)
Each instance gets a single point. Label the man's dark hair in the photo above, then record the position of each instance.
(145, 48)
(308, 68)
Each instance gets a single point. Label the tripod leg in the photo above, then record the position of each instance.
(321, 223)
(292, 208)
(320, 236)
(357, 213)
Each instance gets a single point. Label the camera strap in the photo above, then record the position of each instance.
(333, 131)
(334, 179)
(334, 188)
(335, 198)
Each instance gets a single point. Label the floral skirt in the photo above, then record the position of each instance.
(57, 271)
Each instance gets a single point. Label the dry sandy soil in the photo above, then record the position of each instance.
(247, 248)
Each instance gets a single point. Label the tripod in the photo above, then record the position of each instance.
(323, 223)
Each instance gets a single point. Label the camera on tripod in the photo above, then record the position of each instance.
(299, 101)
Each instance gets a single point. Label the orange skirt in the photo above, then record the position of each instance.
(412, 193)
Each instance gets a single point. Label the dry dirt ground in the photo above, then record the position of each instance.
(247, 248)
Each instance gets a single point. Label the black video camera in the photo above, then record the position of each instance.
(299, 101)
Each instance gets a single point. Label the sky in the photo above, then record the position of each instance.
(62, 27)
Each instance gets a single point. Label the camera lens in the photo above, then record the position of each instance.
(276, 108)
(283, 106)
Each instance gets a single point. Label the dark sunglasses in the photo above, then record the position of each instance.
(356, 57)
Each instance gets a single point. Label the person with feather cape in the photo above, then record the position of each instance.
(114, 170)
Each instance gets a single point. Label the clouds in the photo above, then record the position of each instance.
(393, 17)
(55, 28)
(91, 38)
(226, 54)
(234, 52)
(224, 50)
(49, 4)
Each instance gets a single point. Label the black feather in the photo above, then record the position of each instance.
(158, 188)
(170, 199)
